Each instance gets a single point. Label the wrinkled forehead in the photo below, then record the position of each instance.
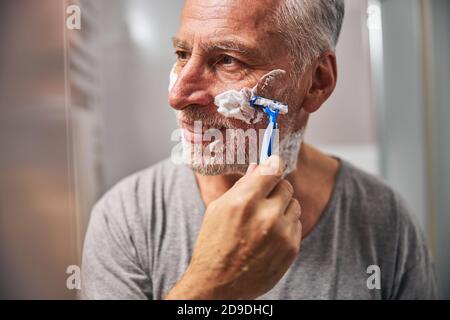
(246, 19)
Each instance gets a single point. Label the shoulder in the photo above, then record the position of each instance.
(136, 190)
(378, 209)
(363, 184)
(125, 212)
(116, 253)
(161, 172)
(369, 198)
(133, 201)
(387, 227)
(380, 217)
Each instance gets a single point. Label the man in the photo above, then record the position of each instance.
(300, 226)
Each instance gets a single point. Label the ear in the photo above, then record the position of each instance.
(322, 82)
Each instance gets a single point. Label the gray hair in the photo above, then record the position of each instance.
(309, 28)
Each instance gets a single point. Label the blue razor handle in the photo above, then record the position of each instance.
(271, 128)
(273, 116)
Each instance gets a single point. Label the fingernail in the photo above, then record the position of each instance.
(269, 162)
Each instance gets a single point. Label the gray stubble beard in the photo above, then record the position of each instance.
(289, 149)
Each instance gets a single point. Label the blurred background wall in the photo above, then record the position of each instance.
(37, 227)
(81, 109)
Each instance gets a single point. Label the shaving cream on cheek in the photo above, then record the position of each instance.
(173, 78)
(289, 149)
(236, 104)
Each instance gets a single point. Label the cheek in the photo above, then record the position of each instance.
(296, 121)
(274, 85)
(290, 122)
(285, 126)
(225, 83)
(234, 79)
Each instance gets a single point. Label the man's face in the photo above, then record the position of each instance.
(226, 45)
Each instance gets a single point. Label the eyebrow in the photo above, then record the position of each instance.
(178, 43)
(222, 45)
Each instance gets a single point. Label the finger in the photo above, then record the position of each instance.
(252, 167)
(282, 194)
(293, 215)
(297, 229)
(293, 211)
(261, 182)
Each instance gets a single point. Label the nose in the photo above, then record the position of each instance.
(192, 86)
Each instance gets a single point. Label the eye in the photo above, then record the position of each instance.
(182, 55)
(228, 60)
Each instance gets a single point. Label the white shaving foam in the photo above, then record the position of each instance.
(290, 148)
(235, 104)
(173, 78)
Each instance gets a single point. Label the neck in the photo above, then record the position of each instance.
(313, 182)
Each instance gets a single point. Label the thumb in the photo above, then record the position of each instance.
(252, 167)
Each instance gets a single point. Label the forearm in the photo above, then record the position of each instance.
(191, 287)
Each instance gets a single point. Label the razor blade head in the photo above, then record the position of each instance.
(269, 103)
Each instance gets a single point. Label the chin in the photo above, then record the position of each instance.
(208, 165)
(219, 169)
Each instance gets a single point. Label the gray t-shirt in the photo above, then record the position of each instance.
(142, 233)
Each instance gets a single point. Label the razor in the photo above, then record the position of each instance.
(272, 108)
